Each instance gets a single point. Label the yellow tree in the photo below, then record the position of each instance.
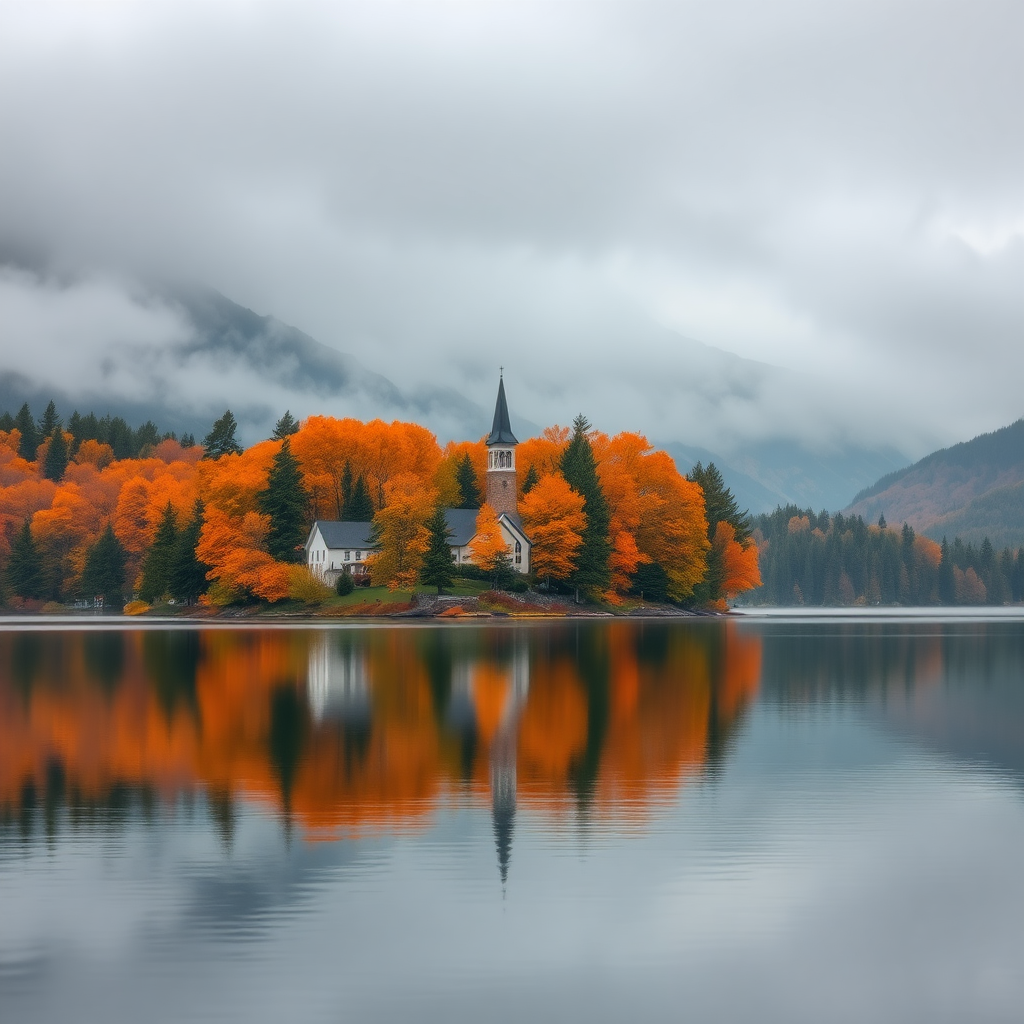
(401, 533)
(554, 519)
(488, 543)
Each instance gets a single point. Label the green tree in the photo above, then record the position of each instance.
(719, 503)
(104, 568)
(29, 434)
(344, 584)
(221, 438)
(947, 582)
(503, 572)
(361, 508)
(285, 426)
(530, 480)
(188, 440)
(7, 423)
(156, 569)
(579, 467)
(285, 500)
(469, 487)
(345, 513)
(187, 574)
(57, 456)
(50, 420)
(436, 570)
(24, 567)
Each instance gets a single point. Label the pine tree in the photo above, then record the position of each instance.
(187, 574)
(361, 509)
(7, 423)
(503, 571)
(156, 569)
(104, 568)
(436, 570)
(719, 503)
(29, 435)
(50, 420)
(530, 480)
(285, 426)
(221, 438)
(579, 468)
(345, 512)
(188, 440)
(57, 456)
(24, 567)
(469, 487)
(285, 500)
(947, 581)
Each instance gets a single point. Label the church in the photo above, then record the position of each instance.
(334, 547)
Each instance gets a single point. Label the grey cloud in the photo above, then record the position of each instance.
(571, 191)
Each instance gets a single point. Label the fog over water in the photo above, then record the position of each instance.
(827, 199)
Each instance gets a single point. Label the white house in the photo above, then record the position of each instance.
(334, 546)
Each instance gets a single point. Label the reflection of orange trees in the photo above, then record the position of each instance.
(606, 715)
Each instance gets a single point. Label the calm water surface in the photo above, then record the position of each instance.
(713, 821)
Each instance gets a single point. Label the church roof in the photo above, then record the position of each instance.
(343, 534)
(462, 524)
(501, 429)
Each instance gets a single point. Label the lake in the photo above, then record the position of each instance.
(781, 819)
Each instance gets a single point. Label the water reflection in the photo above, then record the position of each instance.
(340, 731)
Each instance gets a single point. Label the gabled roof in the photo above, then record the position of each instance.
(501, 429)
(342, 535)
(461, 524)
(513, 519)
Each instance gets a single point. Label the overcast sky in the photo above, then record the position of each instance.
(580, 192)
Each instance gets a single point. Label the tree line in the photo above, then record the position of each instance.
(834, 560)
(609, 517)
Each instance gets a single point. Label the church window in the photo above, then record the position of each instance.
(519, 553)
(348, 556)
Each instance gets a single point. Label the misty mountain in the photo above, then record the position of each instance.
(779, 472)
(972, 490)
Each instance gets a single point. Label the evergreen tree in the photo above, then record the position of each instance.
(469, 487)
(187, 575)
(579, 467)
(50, 420)
(345, 513)
(188, 440)
(24, 567)
(7, 423)
(882, 524)
(285, 500)
(436, 570)
(530, 480)
(104, 568)
(361, 509)
(503, 572)
(947, 582)
(156, 569)
(29, 435)
(650, 581)
(345, 584)
(285, 426)
(146, 437)
(719, 503)
(221, 438)
(57, 456)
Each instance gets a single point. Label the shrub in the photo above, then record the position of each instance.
(345, 584)
(136, 608)
(307, 586)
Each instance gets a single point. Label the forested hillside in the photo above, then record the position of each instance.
(818, 559)
(969, 490)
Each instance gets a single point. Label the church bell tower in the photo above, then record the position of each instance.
(501, 458)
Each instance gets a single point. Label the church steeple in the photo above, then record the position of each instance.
(501, 429)
(501, 458)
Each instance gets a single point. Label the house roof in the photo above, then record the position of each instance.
(462, 524)
(343, 535)
(501, 429)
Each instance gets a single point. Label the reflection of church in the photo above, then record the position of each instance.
(335, 547)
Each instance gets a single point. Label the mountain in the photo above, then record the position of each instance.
(972, 490)
(770, 473)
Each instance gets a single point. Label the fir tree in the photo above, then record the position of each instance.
(24, 567)
(361, 509)
(469, 487)
(719, 503)
(7, 423)
(188, 440)
(57, 456)
(104, 568)
(530, 480)
(947, 581)
(187, 575)
(592, 573)
(503, 572)
(221, 438)
(156, 569)
(436, 570)
(285, 426)
(285, 500)
(345, 584)
(50, 420)
(29, 435)
(345, 512)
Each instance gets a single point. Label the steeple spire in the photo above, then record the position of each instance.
(501, 429)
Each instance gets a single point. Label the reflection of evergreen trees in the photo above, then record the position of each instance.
(171, 659)
(818, 559)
